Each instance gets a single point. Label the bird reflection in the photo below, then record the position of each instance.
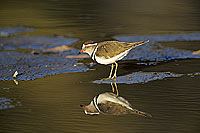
(114, 87)
(111, 104)
(16, 82)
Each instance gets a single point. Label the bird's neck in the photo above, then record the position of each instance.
(94, 51)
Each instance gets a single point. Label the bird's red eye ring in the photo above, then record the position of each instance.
(84, 107)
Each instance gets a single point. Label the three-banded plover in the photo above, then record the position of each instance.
(108, 52)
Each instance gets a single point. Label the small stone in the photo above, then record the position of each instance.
(15, 74)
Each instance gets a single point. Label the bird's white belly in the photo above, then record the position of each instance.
(105, 61)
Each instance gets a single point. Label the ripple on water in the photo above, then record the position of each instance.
(7, 103)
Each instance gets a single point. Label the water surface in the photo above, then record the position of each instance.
(51, 103)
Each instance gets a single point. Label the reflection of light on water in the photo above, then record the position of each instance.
(5, 89)
(6, 103)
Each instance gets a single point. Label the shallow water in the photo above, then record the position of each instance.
(51, 103)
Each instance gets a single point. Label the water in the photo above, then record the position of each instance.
(52, 103)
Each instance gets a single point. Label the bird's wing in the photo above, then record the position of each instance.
(111, 97)
(109, 49)
(113, 108)
(117, 109)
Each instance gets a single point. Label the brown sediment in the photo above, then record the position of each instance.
(77, 56)
(196, 52)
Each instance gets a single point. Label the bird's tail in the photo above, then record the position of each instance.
(136, 44)
(137, 112)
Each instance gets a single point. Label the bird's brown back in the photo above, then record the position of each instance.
(113, 108)
(109, 49)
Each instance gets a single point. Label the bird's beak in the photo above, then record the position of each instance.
(82, 106)
(81, 51)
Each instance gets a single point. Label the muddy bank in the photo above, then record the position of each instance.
(25, 56)
(141, 77)
(51, 54)
(31, 66)
(144, 77)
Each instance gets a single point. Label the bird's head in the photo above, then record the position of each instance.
(90, 109)
(88, 47)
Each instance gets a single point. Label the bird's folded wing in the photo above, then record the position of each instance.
(112, 48)
(113, 108)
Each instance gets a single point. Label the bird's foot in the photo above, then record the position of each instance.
(114, 77)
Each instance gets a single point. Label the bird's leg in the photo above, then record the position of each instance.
(115, 74)
(111, 72)
(113, 89)
(116, 89)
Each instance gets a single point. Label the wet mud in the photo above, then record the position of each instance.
(141, 77)
(39, 55)
(48, 55)
(31, 66)
(144, 77)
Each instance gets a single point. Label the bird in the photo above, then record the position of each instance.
(110, 104)
(109, 52)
